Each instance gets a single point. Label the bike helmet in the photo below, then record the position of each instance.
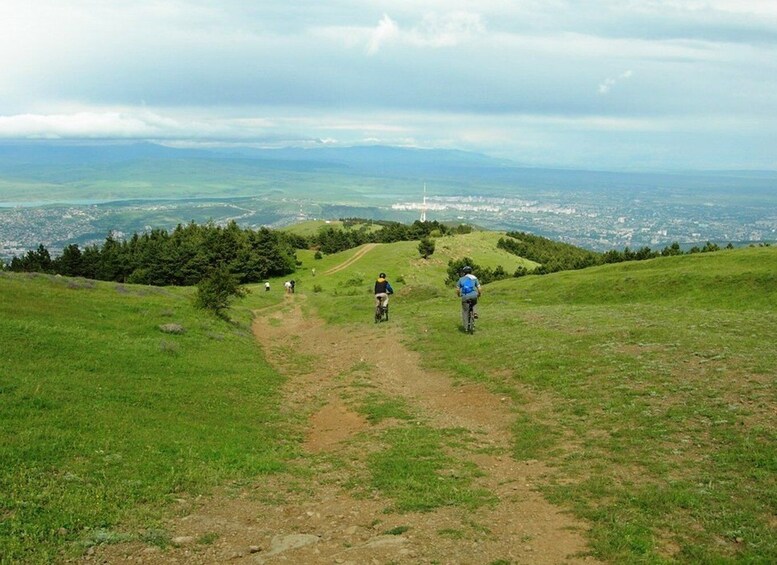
(466, 270)
(382, 276)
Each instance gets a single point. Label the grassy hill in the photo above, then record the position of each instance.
(647, 389)
(106, 418)
(405, 268)
(662, 424)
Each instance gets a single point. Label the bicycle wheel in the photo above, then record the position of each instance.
(471, 318)
(378, 313)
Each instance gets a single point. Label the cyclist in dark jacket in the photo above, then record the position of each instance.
(382, 290)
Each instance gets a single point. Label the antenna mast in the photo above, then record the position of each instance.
(423, 208)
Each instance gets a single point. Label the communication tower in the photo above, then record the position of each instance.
(423, 206)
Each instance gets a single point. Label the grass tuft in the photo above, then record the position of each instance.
(415, 471)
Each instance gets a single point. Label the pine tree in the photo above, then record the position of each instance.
(426, 247)
(216, 290)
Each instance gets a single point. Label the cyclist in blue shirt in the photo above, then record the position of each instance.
(468, 288)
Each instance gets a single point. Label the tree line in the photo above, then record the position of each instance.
(182, 257)
(188, 254)
(554, 256)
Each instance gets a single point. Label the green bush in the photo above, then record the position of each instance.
(216, 290)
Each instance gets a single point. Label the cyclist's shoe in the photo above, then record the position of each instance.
(476, 315)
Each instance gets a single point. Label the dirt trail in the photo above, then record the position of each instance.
(314, 517)
(348, 262)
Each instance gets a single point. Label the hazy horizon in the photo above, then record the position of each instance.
(600, 85)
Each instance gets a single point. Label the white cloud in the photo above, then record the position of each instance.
(82, 125)
(130, 123)
(386, 30)
(447, 30)
(752, 7)
(606, 85)
(434, 30)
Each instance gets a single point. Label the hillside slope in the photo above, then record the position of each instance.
(649, 387)
(107, 418)
(639, 397)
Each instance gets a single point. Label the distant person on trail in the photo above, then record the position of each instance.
(382, 291)
(293, 284)
(287, 286)
(468, 288)
(267, 286)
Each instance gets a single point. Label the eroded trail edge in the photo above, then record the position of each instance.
(324, 513)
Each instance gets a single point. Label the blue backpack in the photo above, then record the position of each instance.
(468, 286)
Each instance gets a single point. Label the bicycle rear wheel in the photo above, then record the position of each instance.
(470, 317)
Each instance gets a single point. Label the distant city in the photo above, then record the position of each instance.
(602, 225)
(56, 194)
(597, 224)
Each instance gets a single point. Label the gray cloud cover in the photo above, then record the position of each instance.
(600, 84)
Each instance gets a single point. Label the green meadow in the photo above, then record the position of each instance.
(647, 389)
(656, 391)
(106, 418)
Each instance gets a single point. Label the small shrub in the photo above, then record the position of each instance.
(317, 288)
(172, 329)
(318, 255)
(208, 539)
(426, 247)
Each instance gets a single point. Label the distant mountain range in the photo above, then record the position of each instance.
(17, 157)
(374, 158)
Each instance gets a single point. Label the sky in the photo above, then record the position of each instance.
(595, 84)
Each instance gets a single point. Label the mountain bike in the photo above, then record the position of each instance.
(469, 327)
(381, 313)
